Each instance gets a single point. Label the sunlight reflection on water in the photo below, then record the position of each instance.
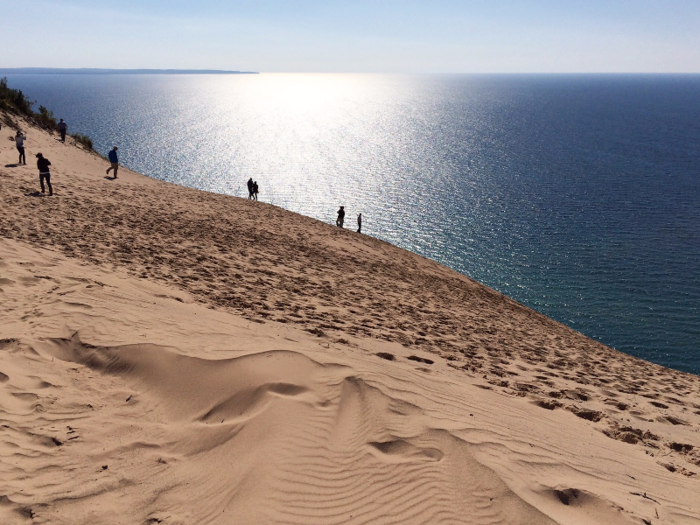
(576, 195)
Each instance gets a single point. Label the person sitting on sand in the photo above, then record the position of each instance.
(250, 188)
(114, 160)
(359, 223)
(255, 190)
(19, 140)
(44, 173)
(62, 128)
(341, 217)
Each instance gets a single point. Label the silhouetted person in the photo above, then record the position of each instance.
(114, 160)
(250, 188)
(341, 217)
(359, 223)
(19, 140)
(62, 128)
(255, 190)
(44, 173)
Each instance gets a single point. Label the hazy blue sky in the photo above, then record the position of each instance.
(448, 36)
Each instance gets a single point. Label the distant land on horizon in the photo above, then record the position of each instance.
(107, 71)
(104, 71)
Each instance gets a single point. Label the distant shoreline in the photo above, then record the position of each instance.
(101, 71)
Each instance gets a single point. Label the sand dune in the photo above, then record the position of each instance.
(296, 441)
(173, 356)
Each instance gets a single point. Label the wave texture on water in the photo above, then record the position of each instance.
(575, 195)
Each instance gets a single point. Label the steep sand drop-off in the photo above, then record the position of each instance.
(173, 356)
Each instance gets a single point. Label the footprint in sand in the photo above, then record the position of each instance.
(400, 450)
(420, 359)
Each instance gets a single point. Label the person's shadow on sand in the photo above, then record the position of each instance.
(11, 165)
(34, 194)
(110, 178)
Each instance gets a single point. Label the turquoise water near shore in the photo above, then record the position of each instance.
(577, 195)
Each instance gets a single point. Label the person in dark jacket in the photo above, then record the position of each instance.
(62, 128)
(255, 190)
(359, 223)
(341, 217)
(114, 160)
(250, 188)
(44, 173)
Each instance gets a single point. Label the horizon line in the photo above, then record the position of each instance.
(108, 71)
(173, 71)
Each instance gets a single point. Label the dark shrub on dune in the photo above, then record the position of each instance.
(84, 140)
(45, 118)
(13, 101)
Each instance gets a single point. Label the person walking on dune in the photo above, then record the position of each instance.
(359, 223)
(62, 128)
(19, 140)
(341, 217)
(44, 173)
(250, 188)
(114, 160)
(255, 190)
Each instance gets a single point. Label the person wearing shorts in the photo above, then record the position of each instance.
(114, 160)
(44, 173)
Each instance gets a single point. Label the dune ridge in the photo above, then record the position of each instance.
(229, 361)
(334, 425)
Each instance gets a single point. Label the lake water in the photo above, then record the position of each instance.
(578, 196)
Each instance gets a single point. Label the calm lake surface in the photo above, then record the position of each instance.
(578, 196)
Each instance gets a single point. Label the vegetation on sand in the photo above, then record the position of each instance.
(15, 102)
(83, 139)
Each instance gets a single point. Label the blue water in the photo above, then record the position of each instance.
(578, 196)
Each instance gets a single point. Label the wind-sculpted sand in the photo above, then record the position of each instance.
(173, 356)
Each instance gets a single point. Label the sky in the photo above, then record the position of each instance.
(382, 36)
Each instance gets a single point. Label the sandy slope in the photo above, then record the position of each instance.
(181, 357)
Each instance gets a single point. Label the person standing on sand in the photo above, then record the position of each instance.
(341, 217)
(19, 140)
(255, 190)
(359, 223)
(250, 188)
(44, 173)
(62, 128)
(114, 160)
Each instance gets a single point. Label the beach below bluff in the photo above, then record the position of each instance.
(173, 356)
